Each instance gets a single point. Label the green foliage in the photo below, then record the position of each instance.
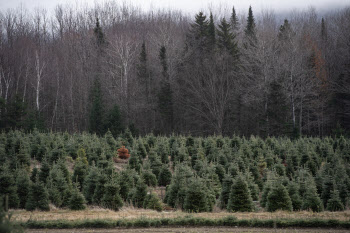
(139, 194)
(111, 198)
(164, 177)
(23, 184)
(96, 115)
(8, 187)
(278, 199)
(196, 197)
(38, 197)
(149, 178)
(114, 121)
(77, 200)
(153, 202)
(240, 198)
(334, 203)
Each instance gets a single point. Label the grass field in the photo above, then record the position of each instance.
(132, 213)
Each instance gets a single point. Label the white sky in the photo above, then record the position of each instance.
(193, 6)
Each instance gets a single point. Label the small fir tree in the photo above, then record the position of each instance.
(153, 202)
(240, 198)
(278, 199)
(196, 197)
(111, 198)
(23, 184)
(140, 194)
(334, 203)
(225, 191)
(38, 197)
(164, 177)
(77, 200)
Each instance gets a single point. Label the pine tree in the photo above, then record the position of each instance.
(277, 110)
(114, 121)
(90, 184)
(278, 199)
(164, 177)
(199, 32)
(149, 178)
(23, 158)
(77, 200)
(196, 197)
(111, 198)
(234, 21)
(250, 29)
(240, 198)
(38, 197)
(35, 172)
(211, 32)
(153, 202)
(23, 184)
(293, 191)
(96, 114)
(143, 72)
(100, 187)
(226, 38)
(139, 194)
(165, 99)
(334, 203)
(80, 172)
(100, 38)
(8, 187)
(44, 171)
(311, 200)
(225, 191)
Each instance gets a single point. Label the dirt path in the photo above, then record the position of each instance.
(189, 230)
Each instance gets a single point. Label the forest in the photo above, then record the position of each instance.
(112, 66)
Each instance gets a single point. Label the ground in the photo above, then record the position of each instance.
(133, 213)
(188, 230)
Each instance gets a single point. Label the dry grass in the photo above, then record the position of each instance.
(133, 213)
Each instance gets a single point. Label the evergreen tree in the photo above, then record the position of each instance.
(111, 198)
(77, 200)
(164, 177)
(311, 200)
(226, 38)
(225, 191)
(196, 197)
(44, 171)
(114, 121)
(96, 115)
(8, 187)
(199, 32)
(23, 158)
(334, 203)
(278, 199)
(277, 110)
(165, 99)
(211, 32)
(293, 191)
(125, 182)
(234, 21)
(38, 197)
(35, 172)
(100, 38)
(153, 202)
(149, 178)
(80, 172)
(100, 188)
(250, 29)
(140, 194)
(240, 198)
(23, 184)
(90, 184)
(143, 72)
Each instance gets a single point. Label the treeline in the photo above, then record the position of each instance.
(93, 69)
(200, 174)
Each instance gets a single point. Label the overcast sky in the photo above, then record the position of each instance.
(193, 6)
